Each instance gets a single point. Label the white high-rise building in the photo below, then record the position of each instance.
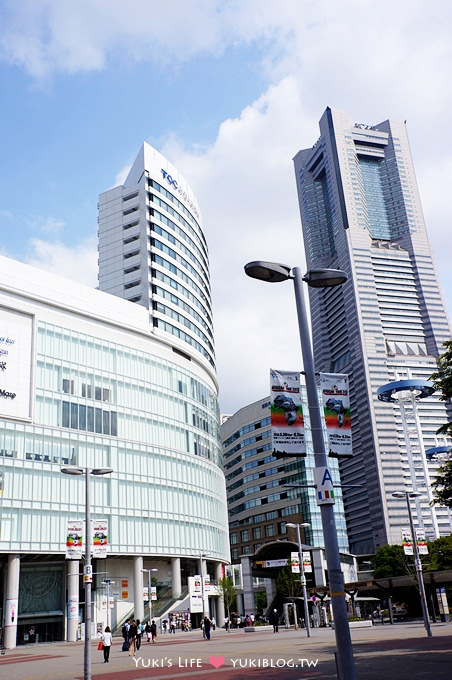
(152, 251)
(361, 212)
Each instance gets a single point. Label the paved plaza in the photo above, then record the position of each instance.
(381, 653)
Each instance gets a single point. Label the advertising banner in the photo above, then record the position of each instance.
(207, 583)
(194, 590)
(336, 407)
(153, 593)
(295, 562)
(307, 564)
(421, 542)
(286, 413)
(16, 343)
(74, 539)
(407, 542)
(100, 538)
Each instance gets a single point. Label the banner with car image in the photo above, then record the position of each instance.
(286, 413)
(336, 407)
(100, 538)
(74, 539)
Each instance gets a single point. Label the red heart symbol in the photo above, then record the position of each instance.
(216, 661)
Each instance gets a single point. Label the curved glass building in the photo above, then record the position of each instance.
(90, 379)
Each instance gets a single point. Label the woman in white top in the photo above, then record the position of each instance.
(107, 640)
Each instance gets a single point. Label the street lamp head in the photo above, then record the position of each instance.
(72, 470)
(75, 470)
(325, 278)
(406, 494)
(292, 525)
(273, 272)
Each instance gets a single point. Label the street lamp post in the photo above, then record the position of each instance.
(202, 585)
(273, 273)
(108, 582)
(302, 575)
(88, 575)
(149, 571)
(417, 560)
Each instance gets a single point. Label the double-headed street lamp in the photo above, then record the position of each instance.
(417, 560)
(320, 278)
(88, 574)
(149, 572)
(302, 574)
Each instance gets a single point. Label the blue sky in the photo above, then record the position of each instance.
(229, 91)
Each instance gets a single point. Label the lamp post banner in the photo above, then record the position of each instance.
(74, 540)
(407, 542)
(295, 562)
(421, 542)
(307, 564)
(286, 412)
(336, 407)
(100, 538)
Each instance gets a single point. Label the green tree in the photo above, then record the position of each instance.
(440, 554)
(442, 380)
(289, 586)
(227, 589)
(390, 560)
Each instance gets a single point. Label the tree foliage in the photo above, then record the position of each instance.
(389, 561)
(227, 589)
(442, 484)
(442, 380)
(440, 554)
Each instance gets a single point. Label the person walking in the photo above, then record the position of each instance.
(139, 634)
(153, 631)
(206, 628)
(107, 641)
(133, 638)
(274, 620)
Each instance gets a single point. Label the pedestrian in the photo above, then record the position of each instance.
(153, 631)
(172, 626)
(148, 631)
(213, 622)
(32, 634)
(206, 628)
(107, 641)
(132, 637)
(138, 634)
(274, 620)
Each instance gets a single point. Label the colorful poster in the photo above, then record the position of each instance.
(307, 564)
(336, 407)
(407, 542)
(153, 593)
(421, 542)
(74, 539)
(295, 562)
(286, 413)
(100, 538)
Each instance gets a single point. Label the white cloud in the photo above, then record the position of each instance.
(78, 263)
(45, 225)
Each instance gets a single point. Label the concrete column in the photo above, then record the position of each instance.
(72, 573)
(220, 600)
(247, 585)
(138, 601)
(176, 584)
(270, 589)
(12, 601)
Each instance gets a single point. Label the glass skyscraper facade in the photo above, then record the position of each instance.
(361, 212)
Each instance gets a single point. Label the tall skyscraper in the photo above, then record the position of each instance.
(361, 212)
(152, 250)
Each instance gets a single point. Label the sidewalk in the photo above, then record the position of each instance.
(381, 652)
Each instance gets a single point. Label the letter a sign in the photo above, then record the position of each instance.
(324, 486)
